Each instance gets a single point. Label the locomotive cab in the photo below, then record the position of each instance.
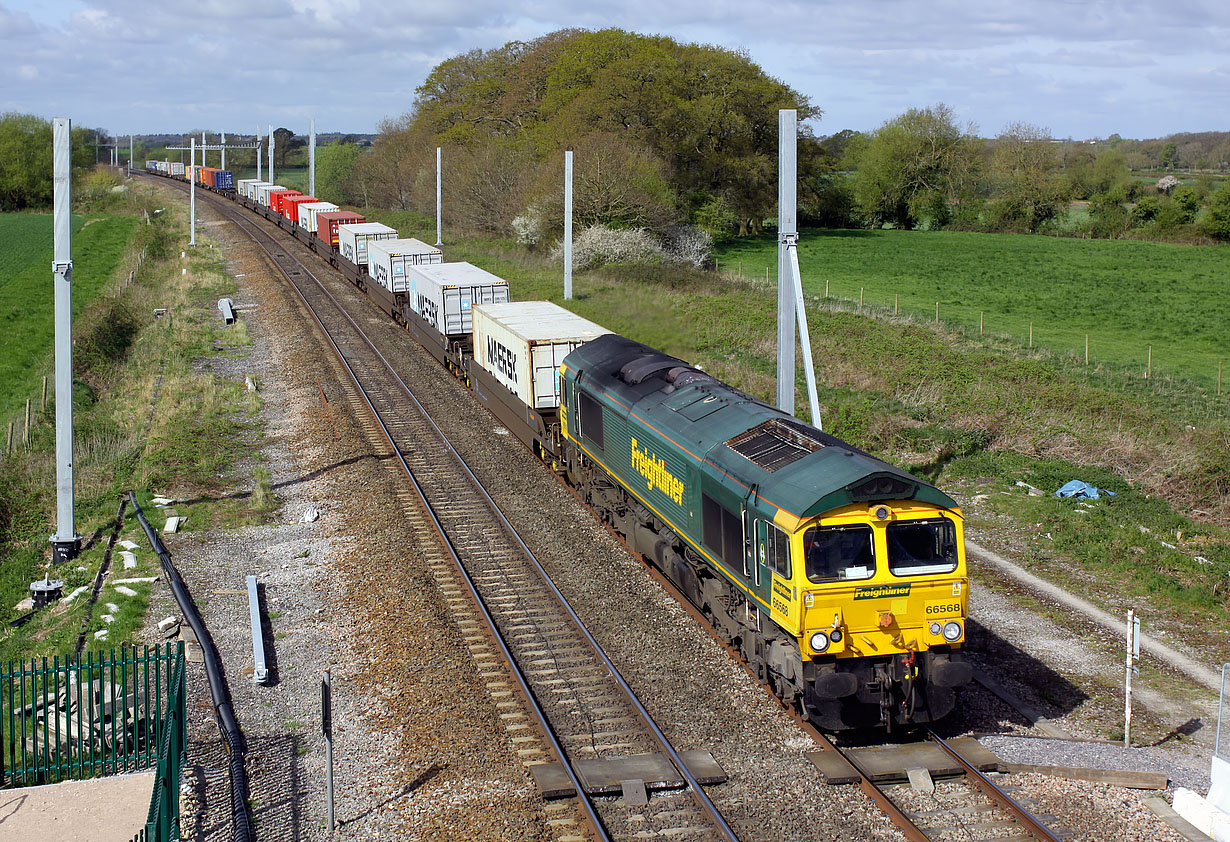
(884, 596)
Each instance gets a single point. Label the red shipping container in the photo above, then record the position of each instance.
(207, 176)
(290, 205)
(327, 222)
(275, 197)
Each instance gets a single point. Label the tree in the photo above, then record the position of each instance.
(1217, 217)
(26, 160)
(915, 166)
(335, 163)
(1170, 155)
(708, 114)
(283, 142)
(1029, 193)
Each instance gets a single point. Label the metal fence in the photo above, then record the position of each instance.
(107, 714)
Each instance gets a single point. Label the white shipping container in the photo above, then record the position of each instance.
(443, 293)
(389, 261)
(521, 344)
(263, 190)
(241, 186)
(177, 168)
(253, 186)
(353, 237)
(308, 211)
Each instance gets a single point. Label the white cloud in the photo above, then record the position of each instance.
(1085, 68)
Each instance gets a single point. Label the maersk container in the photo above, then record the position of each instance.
(241, 185)
(352, 239)
(522, 343)
(327, 222)
(389, 261)
(250, 188)
(177, 168)
(444, 293)
(224, 180)
(308, 211)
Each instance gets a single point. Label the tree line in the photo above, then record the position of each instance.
(26, 166)
(923, 169)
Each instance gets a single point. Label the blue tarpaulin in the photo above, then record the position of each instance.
(1082, 491)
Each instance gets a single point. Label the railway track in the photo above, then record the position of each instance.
(581, 708)
(528, 643)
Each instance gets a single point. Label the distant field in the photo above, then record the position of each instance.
(26, 294)
(1126, 295)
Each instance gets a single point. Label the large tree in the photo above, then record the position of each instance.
(919, 165)
(1028, 190)
(708, 114)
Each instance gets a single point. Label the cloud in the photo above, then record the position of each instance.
(1085, 68)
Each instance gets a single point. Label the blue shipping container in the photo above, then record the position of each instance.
(224, 180)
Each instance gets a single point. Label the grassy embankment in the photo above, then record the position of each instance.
(977, 414)
(146, 417)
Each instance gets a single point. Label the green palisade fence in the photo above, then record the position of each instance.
(108, 714)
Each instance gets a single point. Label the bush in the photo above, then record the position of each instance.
(716, 218)
(527, 227)
(689, 245)
(1217, 220)
(599, 245)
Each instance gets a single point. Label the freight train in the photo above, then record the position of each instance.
(840, 578)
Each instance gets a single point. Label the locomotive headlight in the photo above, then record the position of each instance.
(952, 630)
(835, 635)
(882, 512)
(819, 642)
(935, 629)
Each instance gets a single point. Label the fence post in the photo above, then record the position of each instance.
(1031, 335)
(1149, 366)
(42, 406)
(26, 433)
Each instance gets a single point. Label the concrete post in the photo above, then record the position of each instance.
(787, 232)
(257, 139)
(271, 181)
(192, 194)
(312, 158)
(65, 543)
(439, 195)
(568, 226)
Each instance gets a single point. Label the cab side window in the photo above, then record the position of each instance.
(777, 550)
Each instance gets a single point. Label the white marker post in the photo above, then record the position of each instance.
(66, 543)
(1133, 651)
(568, 226)
(271, 181)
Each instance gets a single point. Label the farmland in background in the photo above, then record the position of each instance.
(1125, 294)
(27, 297)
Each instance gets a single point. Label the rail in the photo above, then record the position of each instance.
(1030, 825)
(698, 793)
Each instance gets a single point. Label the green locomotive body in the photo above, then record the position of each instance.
(841, 578)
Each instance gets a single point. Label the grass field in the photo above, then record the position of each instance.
(27, 328)
(1126, 295)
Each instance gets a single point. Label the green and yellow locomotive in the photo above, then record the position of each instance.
(841, 578)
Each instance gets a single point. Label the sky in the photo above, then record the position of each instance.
(1138, 68)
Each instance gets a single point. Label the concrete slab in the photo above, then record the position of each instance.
(890, 763)
(1112, 777)
(77, 811)
(835, 768)
(606, 776)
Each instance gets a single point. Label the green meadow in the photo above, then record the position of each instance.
(27, 328)
(1125, 295)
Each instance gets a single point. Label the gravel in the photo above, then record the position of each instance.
(1182, 770)
(420, 750)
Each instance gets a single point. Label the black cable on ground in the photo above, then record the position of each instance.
(224, 711)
